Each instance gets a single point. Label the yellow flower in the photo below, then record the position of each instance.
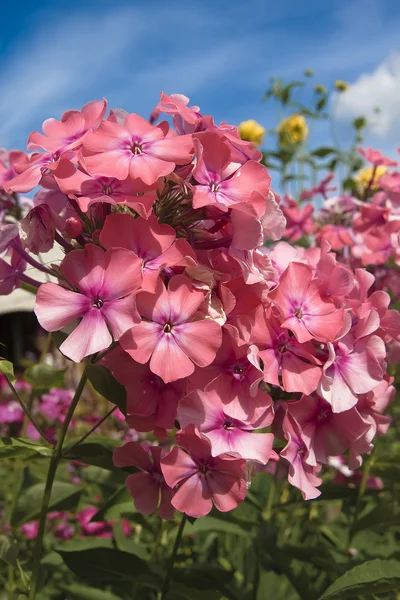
(341, 86)
(293, 130)
(364, 176)
(252, 131)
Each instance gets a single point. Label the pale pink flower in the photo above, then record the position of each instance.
(88, 190)
(200, 479)
(154, 243)
(376, 158)
(302, 308)
(301, 474)
(220, 181)
(354, 367)
(136, 149)
(105, 284)
(220, 418)
(171, 337)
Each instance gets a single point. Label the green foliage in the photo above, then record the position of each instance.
(42, 377)
(106, 385)
(372, 577)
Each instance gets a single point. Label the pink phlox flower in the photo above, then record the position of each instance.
(151, 403)
(301, 474)
(302, 308)
(322, 188)
(286, 363)
(341, 382)
(221, 182)
(220, 418)
(173, 337)
(299, 220)
(38, 229)
(135, 149)
(102, 529)
(7, 161)
(9, 273)
(239, 376)
(67, 135)
(148, 487)
(335, 281)
(88, 190)
(30, 529)
(55, 403)
(11, 412)
(105, 283)
(177, 104)
(376, 158)
(199, 479)
(154, 243)
(338, 236)
(324, 432)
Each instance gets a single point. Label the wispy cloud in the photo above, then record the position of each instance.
(377, 89)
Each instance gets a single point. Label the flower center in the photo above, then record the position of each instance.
(229, 425)
(214, 187)
(97, 303)
(167, 328)
(238, 370)
(136, 148)
(107, 191)
(298, 313)
(282, 348)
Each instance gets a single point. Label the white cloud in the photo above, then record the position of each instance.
(379, 89)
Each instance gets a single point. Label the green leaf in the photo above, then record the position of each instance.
(372, 577)
(43, 377)
(64, 496)
(98, 452)
(322, 102)
(105, 565)
(83, 592)
(20, 448)
(111, 509)
(106, 385)
(384, 513)
(8, 550)
(207, 524)
(7, 368)
(323, 151)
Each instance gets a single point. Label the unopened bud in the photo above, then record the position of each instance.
(73, 227)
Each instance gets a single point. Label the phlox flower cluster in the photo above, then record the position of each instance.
(221, 342)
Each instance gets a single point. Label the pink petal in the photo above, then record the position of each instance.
(145, 491)
(120, 315)
(148, 168)
(132, 455)
(89, 337)
(85, 268)
(203, 409)
(177, 466)
(192, 498)
(114, 163)
(184, 299)
(56, 307)
(200, 340)
(140, 341)
(226, 500)
(123, 274)
(168, 360)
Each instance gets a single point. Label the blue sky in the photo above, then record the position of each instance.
(59, 55)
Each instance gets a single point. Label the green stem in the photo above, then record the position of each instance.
(170, 568)
(267, 514)
(361, 491)
(26, 410)
(54, 462)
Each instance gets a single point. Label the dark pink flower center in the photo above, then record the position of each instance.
(167, 328)
(97, 303)
(282, 348)
(229, 425)
(298, 313)
(107, 191)
(136, 148)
